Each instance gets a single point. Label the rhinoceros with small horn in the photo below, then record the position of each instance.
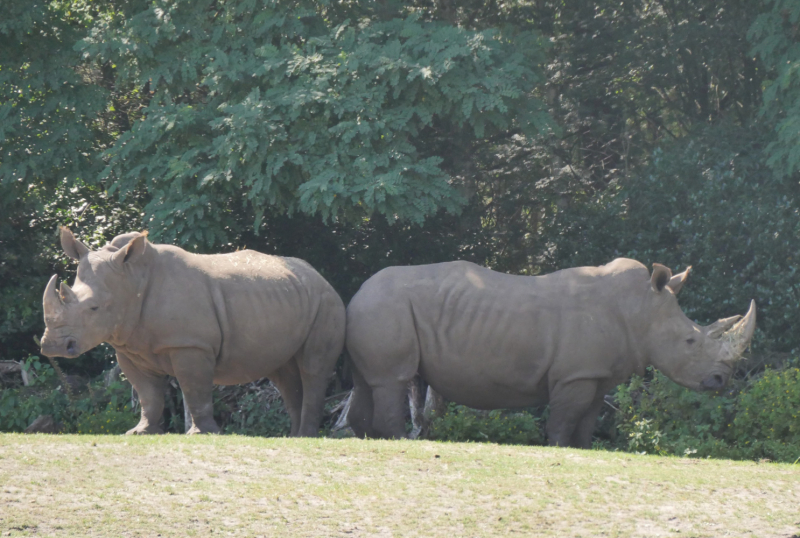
(205, 319)
(490, 340)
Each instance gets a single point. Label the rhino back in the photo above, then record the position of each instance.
(250, 310)
(489, 339)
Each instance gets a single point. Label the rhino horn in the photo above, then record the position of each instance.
(52, 300)
(66, 294)
(740, 334)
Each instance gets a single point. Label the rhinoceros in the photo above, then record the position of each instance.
(205, 319)
(490, 340)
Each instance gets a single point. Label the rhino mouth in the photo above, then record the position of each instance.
(68, 349)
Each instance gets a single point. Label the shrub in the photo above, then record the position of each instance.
(768, 421)
(254, 409)
(753, 419)
(661, 417)
(107, 421)
(460, 423)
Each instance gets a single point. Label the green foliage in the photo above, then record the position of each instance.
(19, 407)
(109, 421)
(654, 417)
(752, 420)
(770, 409)
(95, 409)
(776, 40)
(253, 414)
(301, 108)
(461, 424)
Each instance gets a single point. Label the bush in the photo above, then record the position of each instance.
(93, 409)
(460, 423)
(768, 418)
(255, 414)
(661, 417)
(107, 421)
(754, 418)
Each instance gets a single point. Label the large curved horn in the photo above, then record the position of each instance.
(741, 333)
(51, 300)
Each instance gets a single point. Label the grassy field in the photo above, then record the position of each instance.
(237, 486)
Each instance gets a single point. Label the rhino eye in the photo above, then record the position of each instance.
(690, 340)
(94, 308)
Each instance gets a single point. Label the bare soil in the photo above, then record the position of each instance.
(69, 485)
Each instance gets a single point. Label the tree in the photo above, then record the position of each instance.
(257, 107)
(776, 37)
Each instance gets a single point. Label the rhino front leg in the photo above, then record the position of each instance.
(195, 372)
(150, 389)
(570, 404)
(582, 438)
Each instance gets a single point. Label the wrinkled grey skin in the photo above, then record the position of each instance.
(490, 340)
(205, 319)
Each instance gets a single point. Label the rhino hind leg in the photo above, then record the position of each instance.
(314, 385)
(361, 408)
(571, 407)
(317, 359)
(390, 407)
(289, 383)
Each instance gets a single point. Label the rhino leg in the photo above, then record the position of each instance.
(360, 416)
(288, 382)
(570, 404)
(314, 386)
(195, 372)
(317, 359)
(390, 406)
(150, 389)
(582, 438)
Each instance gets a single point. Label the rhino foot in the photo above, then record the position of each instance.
(194, 430)
(145, 429)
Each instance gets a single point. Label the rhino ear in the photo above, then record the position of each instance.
(131, 252)
(72, 247)
(676, 282)
(660, 277)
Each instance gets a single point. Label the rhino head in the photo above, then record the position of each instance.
(105, 295)
(697, 357)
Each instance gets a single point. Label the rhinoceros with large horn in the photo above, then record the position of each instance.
(205, 319)
(490, 340)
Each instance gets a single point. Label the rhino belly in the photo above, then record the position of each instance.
(250, 359)
(260, 334)
(487, 382)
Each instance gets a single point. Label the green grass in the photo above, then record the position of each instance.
(242, 486)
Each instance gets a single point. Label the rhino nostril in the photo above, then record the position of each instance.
(72, 346)
(714, 382)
